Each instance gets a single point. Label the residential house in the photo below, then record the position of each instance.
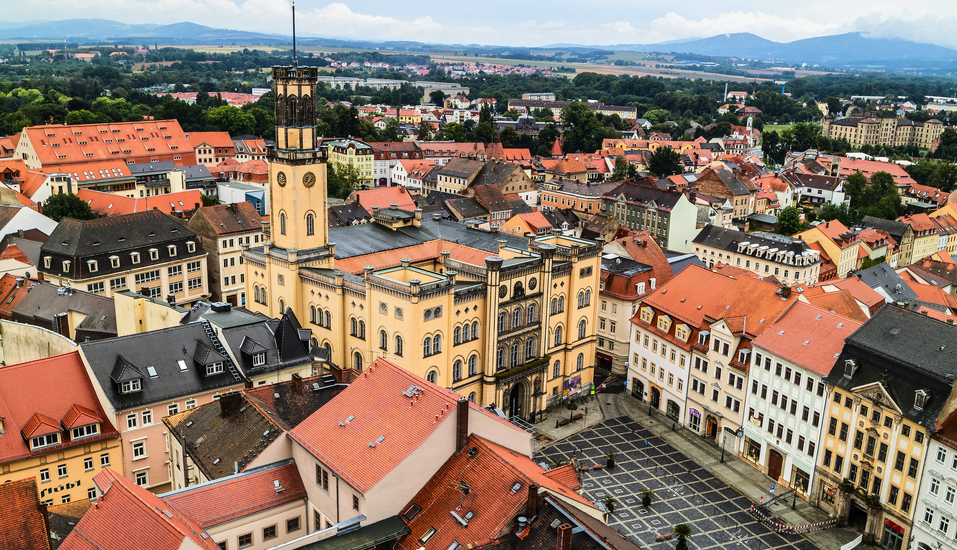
(667, 215)
(838, 245)
(410, 173)
(935, 511)
(75, 314)
(582, 198)
(817, 190)
(336, 445)
(225, 231)
(180, 205)
(142, 378)
(249, 147)
(926, 235)
(386, 156)
(901, 232)
(357, 153)
(789, 260)
(57, 432)
(529, 223)
(145, 251)
(509, 178)
(14, 219)
(455, 175)
(624, 282)
(211, 148)
(889, 389)
(722, 183)
(26, 524)
(491, 198)
(788, 395)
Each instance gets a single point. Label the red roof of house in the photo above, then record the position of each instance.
(128, 517)
(808, 336)
(234, 497)
(565, 475)
(557, 149)
(213, 139)
(859, 289)
(62, 146)
(430, 250)
(108, 204)
(869, 167)
(383, 197)
(13, 252)
(490, 475)
(78, 415)
(39, 395)
(919, 222)
(689, 295)
(564, 166)
(934, 295)
(841, 303)
(643, 249)
(22, 523)
(377, 407)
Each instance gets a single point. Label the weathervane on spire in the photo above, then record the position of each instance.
(295, 62)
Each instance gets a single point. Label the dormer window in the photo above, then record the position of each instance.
(920, 399)
(135, 256)
(92, 265)
(190, 246)
(85, 431)
(114, 261)
(850, 366)
(703, 338)
(66, 266)
(46, 261)
(743, 356)
(47, 440)
(130, 386)
(681, 332)
(664, 323)
(646, 315)
(215, 368)
(172, 250)
(154, 254)
(259, 359)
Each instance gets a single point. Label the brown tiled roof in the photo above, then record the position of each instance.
(64, 517)
(240, 217)
(23, 525)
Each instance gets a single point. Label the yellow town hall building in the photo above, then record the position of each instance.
(501, 319)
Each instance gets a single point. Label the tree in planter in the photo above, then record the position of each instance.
(682, 532)
(611, 459)
(557, 462)
(610, 503)
(646, 495)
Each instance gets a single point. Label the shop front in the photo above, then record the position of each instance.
(694, 420)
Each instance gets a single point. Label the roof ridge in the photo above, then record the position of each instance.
(159, 513)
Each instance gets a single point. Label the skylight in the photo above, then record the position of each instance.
(182, 365)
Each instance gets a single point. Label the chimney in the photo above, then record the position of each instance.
(297, 383)
(234, 207)
(785, 292)
(531, 509)
(229, 403)
(564, 537)
(195, 206)
(461, 424)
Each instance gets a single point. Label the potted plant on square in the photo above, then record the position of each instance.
(609, 503)
(682, 532)
(610, 463)
(646, 495)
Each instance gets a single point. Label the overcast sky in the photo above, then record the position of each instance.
(528, 23)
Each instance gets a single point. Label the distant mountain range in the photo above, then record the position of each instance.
(853, 50)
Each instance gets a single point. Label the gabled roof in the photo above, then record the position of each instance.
(383, 197)
(96, 237)
(35, 396)
(213, 139)
(224, 500)
(689, 295)
(461, 168)
(840, 303)
(807, 336)
(43, 301)
(128, 517)
(883, 279)
(23, 524)
(481, 481)
(226, 219)
(491, 198)
(57, 144)
(377, 405)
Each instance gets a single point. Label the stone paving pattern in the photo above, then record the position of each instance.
(684, 491)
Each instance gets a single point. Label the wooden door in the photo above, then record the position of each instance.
(775, 462)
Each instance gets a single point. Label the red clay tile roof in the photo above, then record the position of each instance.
(565, 475)
(383, 197)
(49, 387)
(240, 217)
(689, 295)
(40, 424)
(377, 406)
(919, 222)
(128, 517)
(490, 474)
(108, 204)
(78, 415)
(749, 306)
(934, 295)
(228, 499)
(649, 254)
(808, 336)
(58, 145)
(13, 252)
(417, 253)
(22, 523)
(841, 303)
(213, 139)
(859, 289)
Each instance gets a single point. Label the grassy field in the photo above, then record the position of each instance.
(777, 127)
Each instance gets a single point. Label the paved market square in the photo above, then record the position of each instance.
(684, 491)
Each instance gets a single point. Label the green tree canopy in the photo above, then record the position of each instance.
(665, 162)
(583, 132)
(789, 221)
(67, 205)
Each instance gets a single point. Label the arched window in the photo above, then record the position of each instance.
(518, 290)
(282, 306)
(581, 329)
(581, 299)
(362, 330)
(310, 224)
(282, 223)
(514, 355)
(517, 318)
(280, 119)
(328, 319)
(383, 340)
(313, 345)
(355, 327)
(457, 336)
(588, 297)
(561, 304)
(437, 344)
(465, 333)
(530, 316)
(473, 365)
(357, 361)
(312, 315)
(472, 397)
(581, 362)
(554, 306)
(398, 345)
(474, 330)
(557, 369)
(558, 336)
(501, 321)
(500, 359)
(263, 291)
(292, 111)
(529, 348)
(427, 346)
(328, 347)
(457, 371)
(433, 376)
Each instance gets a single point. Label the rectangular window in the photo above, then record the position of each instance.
(245, 540)
(44, 475)
(96, 288)
(269, 532)
(195, 283)
(147, 417)
(175, 288)
(292, 524)
(882, 452)
(104, 460)
(117, 284)
(844, 429)
(174, 271)
(131, 421)
(913, 468)
(899, 461)
(355, 503)
(87, 464)
(139, 450)
(172, 409)
(817, 419)
(193, 266)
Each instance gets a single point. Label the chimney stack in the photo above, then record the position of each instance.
(461, 424)
(564, 537)
(229, 402)
(531, 509)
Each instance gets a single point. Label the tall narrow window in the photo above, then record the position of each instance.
(558, 336)
(581, 330)
(473, 365)
(398, 345)
(310, 224)
(282, 223)
(383, 340)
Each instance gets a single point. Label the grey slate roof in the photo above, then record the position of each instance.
(623, 266)
(886, 281)
(728, 239)
(467, 207)
(44, 301)
(279, 339)
(894, 227)
(644, 194)
(906, 351)
(368, 238)
(162, 349)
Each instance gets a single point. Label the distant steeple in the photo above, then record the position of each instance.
(557, 149)
(295, 62)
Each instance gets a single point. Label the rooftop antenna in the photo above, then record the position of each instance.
(295, 62)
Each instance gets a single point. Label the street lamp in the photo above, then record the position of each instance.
(723, 441)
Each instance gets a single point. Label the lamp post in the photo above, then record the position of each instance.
(723, 441)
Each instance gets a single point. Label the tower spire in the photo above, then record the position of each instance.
(295, 62)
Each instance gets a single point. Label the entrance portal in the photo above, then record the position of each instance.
(775, 463)
(857, 517)
(655, 398)
(515, 400)
(712, 428)
(637, 389)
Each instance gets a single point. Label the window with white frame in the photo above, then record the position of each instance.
(139, 450)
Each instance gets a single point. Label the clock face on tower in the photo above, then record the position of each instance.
(281, 179)
(309, 179)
